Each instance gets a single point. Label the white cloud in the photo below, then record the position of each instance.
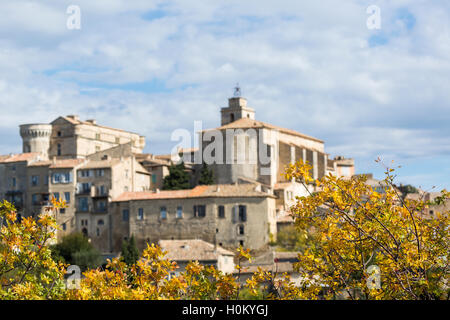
(304, 65)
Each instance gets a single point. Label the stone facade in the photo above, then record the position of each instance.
(227, 215)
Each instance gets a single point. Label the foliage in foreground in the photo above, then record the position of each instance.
(350, 229)
(370, 245)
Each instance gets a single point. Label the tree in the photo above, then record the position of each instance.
(75, 249)
(206, 176)
(130, 252)
(27, 270)
(369, 245)
(177, 179)
(291, 239)
(406, 189)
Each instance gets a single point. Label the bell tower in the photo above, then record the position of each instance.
(237, 108)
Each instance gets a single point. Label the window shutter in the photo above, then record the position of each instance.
(244, 213)
(235, 214)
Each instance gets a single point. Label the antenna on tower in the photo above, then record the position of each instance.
(237, 90)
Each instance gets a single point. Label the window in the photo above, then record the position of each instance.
(97, 148)
(243, 213)
(241, 229)
(100, 172)
(97, 136)
(13, 182)
(59, 149)
(64, 226)
(125, 215)
(83, 204)
(67, 197)
(34, 180)
(85, 173)
(199, 211)
(163, 212)
(140, 215)
(35, 199)
(100, 222)
(86, 187)
(84, 222)
(241, 242)
(101, 190)
(117, 140)
(179, 212)
(232, 117)
(65, 177)
(56, 195)
(153, 178)
(221, 212)
(431, 212)
(62, 210)
(101, 206)
(98, 232)
(59, 133)
(56, 178)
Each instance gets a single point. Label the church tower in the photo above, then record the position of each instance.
(237, 109)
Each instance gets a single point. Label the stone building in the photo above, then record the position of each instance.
(226, 215)
(69, 137)
(185, 251)
(251, 149)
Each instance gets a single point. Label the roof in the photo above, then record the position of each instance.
(209, 191)
(19, 157)
(180, 150)
(66, 163)
(42, 163)
(245, 123)
(272, 261)
(77, 122)
(192, 250)
(95, 164)
(287, 218)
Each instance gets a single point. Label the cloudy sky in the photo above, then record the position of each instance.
(153, 66)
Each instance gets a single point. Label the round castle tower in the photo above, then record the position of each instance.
(36, 138)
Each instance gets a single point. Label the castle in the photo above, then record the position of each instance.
(113, 189)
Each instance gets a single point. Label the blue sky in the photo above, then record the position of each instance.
(313, 66)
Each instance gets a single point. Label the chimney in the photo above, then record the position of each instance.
(73, 117)
(91, 121)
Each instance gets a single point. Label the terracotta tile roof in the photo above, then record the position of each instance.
(192, 250)
(210, 191)
(66, 163)
(245, 123)
(95, 164)
(20, 157)
(42, 163)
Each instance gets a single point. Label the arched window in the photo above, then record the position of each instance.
(100, 222)
(85, 232)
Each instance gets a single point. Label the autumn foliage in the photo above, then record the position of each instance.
(362, 244)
